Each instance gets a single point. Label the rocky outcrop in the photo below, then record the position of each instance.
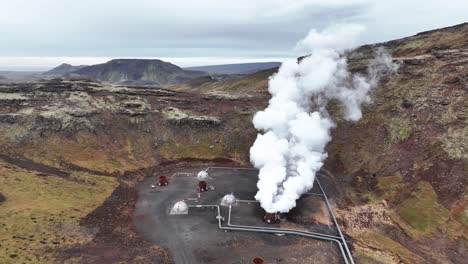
(181, 118)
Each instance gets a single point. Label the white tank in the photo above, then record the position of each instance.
(228, 199)
(202, 175)
(179, 208)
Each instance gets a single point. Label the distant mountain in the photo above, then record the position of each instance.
(138, 71)
(240, 68)
(63, 69)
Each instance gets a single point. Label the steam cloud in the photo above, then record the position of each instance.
(296, 125)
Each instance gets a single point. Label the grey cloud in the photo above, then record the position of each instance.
(203, 28)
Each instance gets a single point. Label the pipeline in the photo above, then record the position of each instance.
(264, 230)
(335, 221)
(278, 229)
(343, 241)
(229, 168)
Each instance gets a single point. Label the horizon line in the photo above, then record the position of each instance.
(44, 63)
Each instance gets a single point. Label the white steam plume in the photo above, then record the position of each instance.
(296, 126)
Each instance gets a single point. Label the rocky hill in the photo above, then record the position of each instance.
(138, 72)
(63, 69)
(400, 172)
(240, 68)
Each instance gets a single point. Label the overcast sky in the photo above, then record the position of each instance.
(39, 34)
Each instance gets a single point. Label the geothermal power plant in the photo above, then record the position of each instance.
(218, 202)
(283, 194)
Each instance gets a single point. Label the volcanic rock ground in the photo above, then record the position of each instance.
(195, 238)
(75, 152)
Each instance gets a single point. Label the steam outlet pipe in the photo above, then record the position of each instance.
(278, 229)
(263, 230)
(335, 221)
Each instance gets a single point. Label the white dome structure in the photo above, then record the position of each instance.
(202, 175)
(228, 200)
(179, 208)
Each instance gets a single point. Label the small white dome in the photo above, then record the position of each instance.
(228, 199)
(202, 175)
(179, 208)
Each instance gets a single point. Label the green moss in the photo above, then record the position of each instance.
(175, 114)
(463, 219)
(399, 130)
(413, 44)
(455, 143)
(422, 211)
(380, 241)
(370, 197)
(389, 186)
(455, 230)
(201, 149)
(42, 214)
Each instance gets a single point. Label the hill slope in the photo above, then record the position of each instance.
(240, 68)
(138, 71)
(63, 69)
(400, 172)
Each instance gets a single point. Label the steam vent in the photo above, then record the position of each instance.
(163, 181)
(271, 218)
(202, 187)
(258, 260)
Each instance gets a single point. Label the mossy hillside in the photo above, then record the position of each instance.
(387, 189)
(455, 143)
(42, 213)
(463, 215)
(422, 42)
(399, 130)
(202, 148)
(464, 218)
(394, 251)
(105, 153)
(365, 255)
(389, 186)
(422, 211)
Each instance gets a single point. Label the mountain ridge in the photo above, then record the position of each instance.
(63, 68)
(236, 68)
(138, 71)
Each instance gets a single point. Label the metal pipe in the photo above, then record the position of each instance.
(247, 201)
(326, 200)
(179, 173)
(272, 228)
(219, 217)
(335, 221)
(229, 168)
(278, 229)
(310, 193)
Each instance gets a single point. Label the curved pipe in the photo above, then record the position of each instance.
(343, 241)
(335, 221)
(278, 229)
(264, 230)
